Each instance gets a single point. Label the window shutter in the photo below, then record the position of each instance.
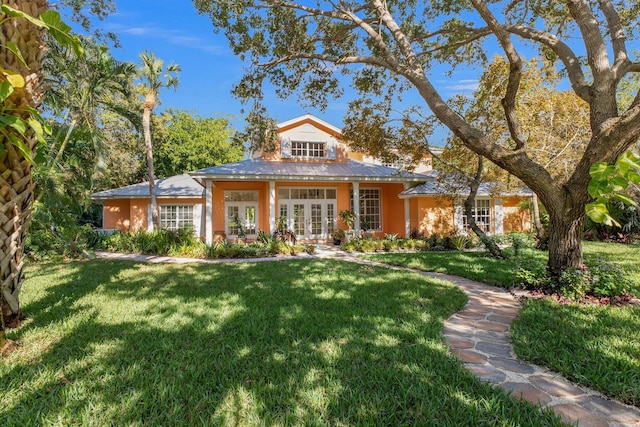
(197, 219)
(331, 149)
(458, 213)
(285, 148)
(499, 216)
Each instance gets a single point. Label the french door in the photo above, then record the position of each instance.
(309, 218)
(312, 219)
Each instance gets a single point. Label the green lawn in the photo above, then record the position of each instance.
(480, 266)
(597, 346)
(275, 343)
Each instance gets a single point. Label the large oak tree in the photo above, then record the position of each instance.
(305, 48)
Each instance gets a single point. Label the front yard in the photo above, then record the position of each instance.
(593, 345)
(313, 342)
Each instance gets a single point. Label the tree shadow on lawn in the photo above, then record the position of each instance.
(290, 342)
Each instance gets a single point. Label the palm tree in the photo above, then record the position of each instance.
(81, 89)
(17, 148)
(154, 77)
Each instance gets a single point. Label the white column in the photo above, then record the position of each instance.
(149, 217)
(272, 206)
(407, 214)
(356, 207)
(498, 216)
(208, 200)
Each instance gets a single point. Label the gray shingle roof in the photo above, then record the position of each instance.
(260, 169)
(174, 186)
(434, 187)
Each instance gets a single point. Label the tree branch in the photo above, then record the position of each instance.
(370, 60)
(515, 72)
(594, 42)
(564, 52)
(617, 38)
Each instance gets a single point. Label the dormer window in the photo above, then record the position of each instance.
(316, 150)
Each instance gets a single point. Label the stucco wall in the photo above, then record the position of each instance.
(115, 214)
(515, 217)
(431, 215)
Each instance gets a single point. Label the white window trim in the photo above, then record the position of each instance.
(491, 227)
(380, 207)
(307, 148)
(177, 205)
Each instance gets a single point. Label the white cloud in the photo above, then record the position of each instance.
(175, 37)
(463, 85)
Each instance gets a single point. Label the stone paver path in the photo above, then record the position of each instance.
(479, 336)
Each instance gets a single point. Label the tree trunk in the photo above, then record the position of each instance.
(146, 119)
(542, 240)
(16, 187)
(565, 243)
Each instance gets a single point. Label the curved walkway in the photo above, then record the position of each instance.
(479, 336)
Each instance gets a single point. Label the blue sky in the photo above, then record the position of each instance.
(175, 32)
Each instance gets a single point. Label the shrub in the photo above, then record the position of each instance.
(575, 283)
(531, 273)
(603, 279)
(409, 243)
(461, 242)
(390, 245)
(608, 279)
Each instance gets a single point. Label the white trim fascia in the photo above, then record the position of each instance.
(312, 118)
(253, 177)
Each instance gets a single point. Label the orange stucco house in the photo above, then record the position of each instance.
(306, 181)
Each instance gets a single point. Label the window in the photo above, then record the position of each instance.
(369, 208)
(482, 215)
(174, 217)
(316, 150)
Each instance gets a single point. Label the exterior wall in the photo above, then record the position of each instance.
(132, 214)
(515, 217)
(431, 215)
(436, 215)
(116, 214)
(139, 214)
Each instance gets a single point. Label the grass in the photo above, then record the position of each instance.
(297, 342)
(596, 346)
(481, 267)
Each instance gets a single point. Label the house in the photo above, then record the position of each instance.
(308, 178)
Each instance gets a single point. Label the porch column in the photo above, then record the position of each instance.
(356, 207)
(208, 222)
(272, 206)
(407, 214)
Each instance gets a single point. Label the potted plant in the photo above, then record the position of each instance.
(338, 235)
(348, 217)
